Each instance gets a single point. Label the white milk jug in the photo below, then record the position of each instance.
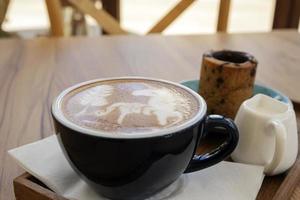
(268, 134)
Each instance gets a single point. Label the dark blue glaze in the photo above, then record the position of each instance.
(137, 168)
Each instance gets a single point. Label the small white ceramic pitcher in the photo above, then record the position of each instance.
(268, 134)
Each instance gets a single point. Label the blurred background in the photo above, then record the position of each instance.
(30, 18)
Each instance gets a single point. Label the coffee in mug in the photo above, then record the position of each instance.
(126, 107)
(130, 137)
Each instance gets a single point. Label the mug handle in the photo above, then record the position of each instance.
(280, 134)
(220, 124)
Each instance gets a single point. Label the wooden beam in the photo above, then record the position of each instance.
(281, 15)
(55, 17)
(295, 14)
(112, 7)
(171, 16)
(286, 14)
(104, 19)
(224, 10)
(3, 9)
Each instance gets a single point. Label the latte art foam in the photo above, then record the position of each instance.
(129, 106)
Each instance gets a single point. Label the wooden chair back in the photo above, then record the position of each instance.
(286, 15)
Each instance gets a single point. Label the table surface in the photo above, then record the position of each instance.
(33, 72)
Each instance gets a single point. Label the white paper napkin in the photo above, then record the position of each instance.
(226, 180)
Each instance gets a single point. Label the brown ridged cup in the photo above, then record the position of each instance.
(226, 80)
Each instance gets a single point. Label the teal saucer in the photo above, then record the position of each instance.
(258, 89)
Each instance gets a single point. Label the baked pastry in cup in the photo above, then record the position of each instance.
(226, 80)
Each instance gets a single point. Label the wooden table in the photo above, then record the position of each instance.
(33, 72)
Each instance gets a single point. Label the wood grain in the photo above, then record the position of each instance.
(288, 186)
(296, 194)
(33, 72)
(26, 188)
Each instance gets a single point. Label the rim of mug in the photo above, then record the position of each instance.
(59, 116)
